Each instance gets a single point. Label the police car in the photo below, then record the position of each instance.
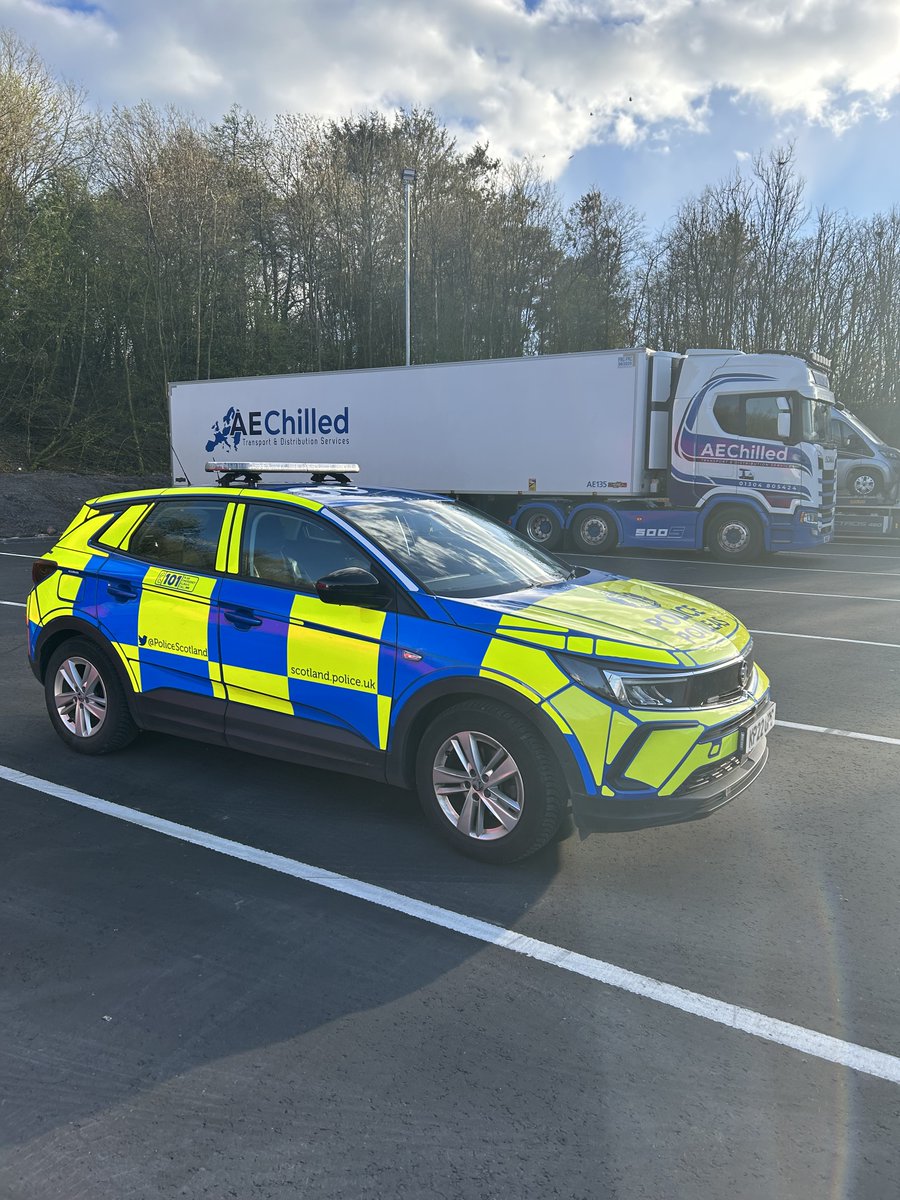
(401, 637)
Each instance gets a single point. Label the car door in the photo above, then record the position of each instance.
(303, 678)
(156, 605)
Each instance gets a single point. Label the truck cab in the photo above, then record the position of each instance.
(750, 438)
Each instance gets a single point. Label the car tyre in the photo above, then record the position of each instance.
(86, 701)
(461, 752)
(593, 532)
(541, 527)
(863, 483)
(734, 536)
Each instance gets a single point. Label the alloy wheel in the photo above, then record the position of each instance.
(80, 696)
(478, 785)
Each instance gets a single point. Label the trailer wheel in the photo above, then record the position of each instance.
(864, 483)
(542, 527)
(594, 532)
(733, 535)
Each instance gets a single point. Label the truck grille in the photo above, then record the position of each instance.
(829, 492)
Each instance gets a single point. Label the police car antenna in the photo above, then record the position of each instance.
(250, 473)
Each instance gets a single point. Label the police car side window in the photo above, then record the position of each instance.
(293, 549)
(180, 535)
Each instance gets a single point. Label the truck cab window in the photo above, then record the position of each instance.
(761, 417)
(751, 415)
(729, 414)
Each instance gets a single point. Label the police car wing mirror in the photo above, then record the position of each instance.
(352, 585)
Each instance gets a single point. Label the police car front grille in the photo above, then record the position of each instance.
(709, 774)
(721, 686)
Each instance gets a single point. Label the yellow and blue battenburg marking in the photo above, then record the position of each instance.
(581, 621)
(72, 589)
(326, 663)
(216, 634)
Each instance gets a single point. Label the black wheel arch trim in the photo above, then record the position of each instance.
(743, 505)
(594, 506)
(400, 766)
(76, 627)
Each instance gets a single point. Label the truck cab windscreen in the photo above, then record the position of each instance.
(813, 421)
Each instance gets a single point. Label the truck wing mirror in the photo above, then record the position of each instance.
(784, 425)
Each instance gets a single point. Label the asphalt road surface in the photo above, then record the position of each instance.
(254, 1018)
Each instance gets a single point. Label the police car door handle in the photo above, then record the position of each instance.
(121, 589)
(241, 618)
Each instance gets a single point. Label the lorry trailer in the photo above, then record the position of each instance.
(711, 449)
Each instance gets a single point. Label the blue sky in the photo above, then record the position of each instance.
(648, 99)
(857, 170)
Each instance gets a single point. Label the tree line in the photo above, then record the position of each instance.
(144, 246)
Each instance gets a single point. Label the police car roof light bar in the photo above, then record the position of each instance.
(251, 473)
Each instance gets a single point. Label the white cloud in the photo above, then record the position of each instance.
(545, 82)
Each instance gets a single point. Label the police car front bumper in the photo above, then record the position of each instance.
(701, 794)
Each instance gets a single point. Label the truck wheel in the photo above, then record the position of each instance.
(542, 527)
(864, 483)
(85, 699)
(734, 536)
(594, 533)
(488, 783)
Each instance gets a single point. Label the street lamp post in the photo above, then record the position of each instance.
(409, 178)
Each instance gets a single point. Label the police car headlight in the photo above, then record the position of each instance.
(633, 690)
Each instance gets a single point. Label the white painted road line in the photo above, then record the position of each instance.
(819, 637)
(681, 584)
(711, 562)
(847, 733)
(782, 1033)
(13, 603)
(9, 554)
(887, 557)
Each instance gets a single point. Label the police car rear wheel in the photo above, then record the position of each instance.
(85, 699)
(488, 783)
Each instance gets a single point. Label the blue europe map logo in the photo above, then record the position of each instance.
(226, 432)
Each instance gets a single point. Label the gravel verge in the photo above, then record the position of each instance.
(39, 503)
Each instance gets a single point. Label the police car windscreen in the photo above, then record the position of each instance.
(453, 551)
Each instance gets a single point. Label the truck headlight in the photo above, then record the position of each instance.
(632, 690)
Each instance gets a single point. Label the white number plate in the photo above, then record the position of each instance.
(758, 729)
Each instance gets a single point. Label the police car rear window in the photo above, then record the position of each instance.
(117, 531)
(180, 535)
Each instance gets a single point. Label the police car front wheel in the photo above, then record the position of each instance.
(488, 783)
(85, 699)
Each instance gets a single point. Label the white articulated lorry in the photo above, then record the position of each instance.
(710, 449)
